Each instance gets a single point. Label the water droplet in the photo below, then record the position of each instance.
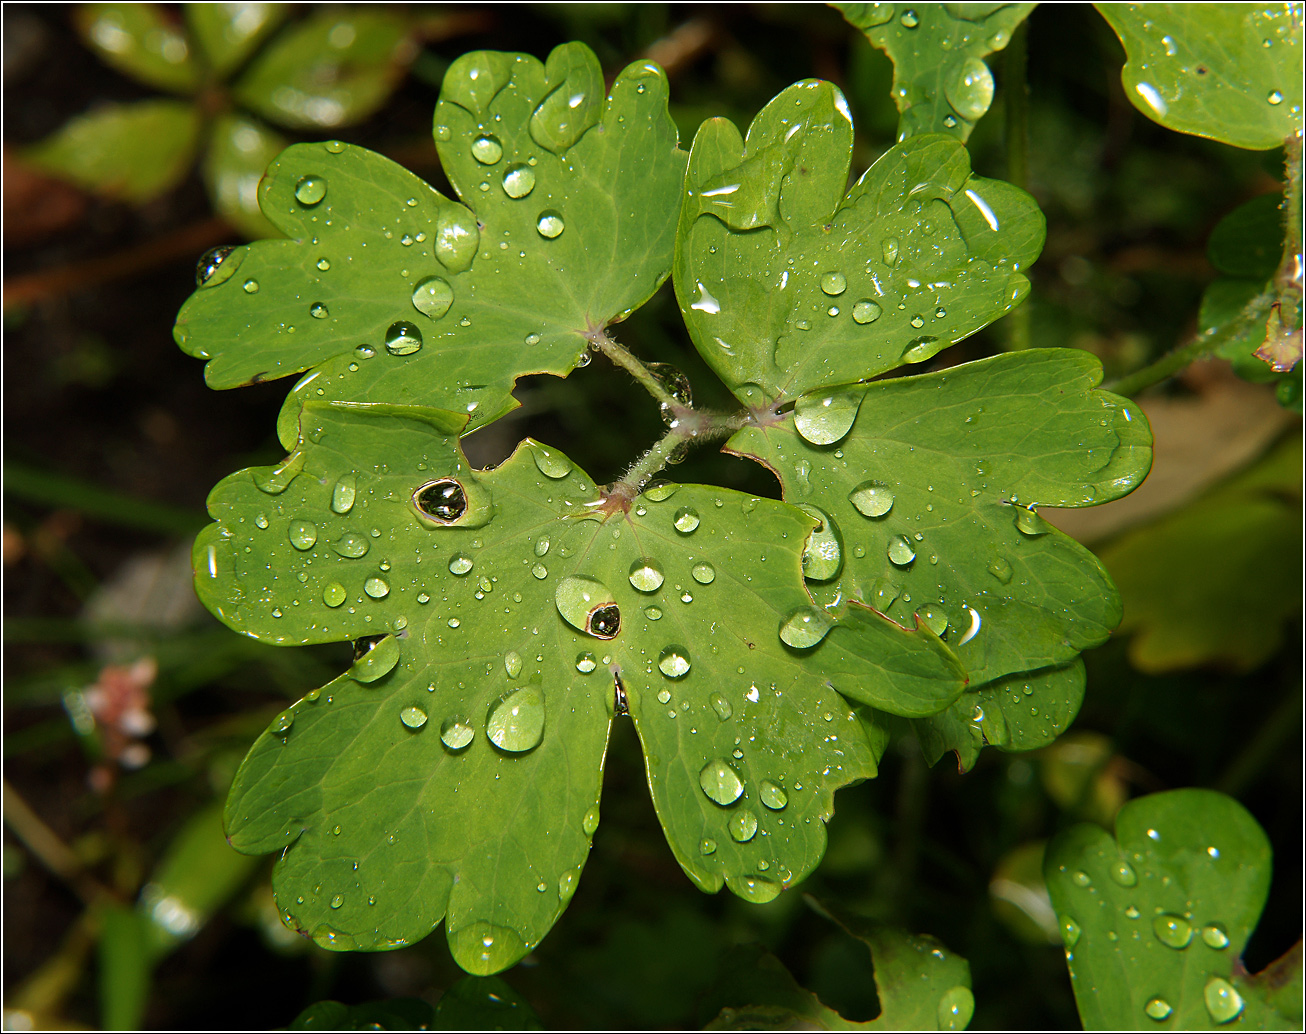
(686, 520)
(1123, 874)
(515, 722)
(512, 663)
(333, 594)
(933, 618)
(956, 1008)
(823, 550)
(588, 605)
(707, 846)
(487, 150)
(585, 663)
(805, 627)
(653, 613)
(213, 266)
(323, 264)
(1215, 936)
(590, 822)
(721, 706)
(889, 248)
(646, 575)
(318, 311)
(1000, 568)
(900, 551)
(866, 311)
(303, 534)
(674, 662)
(909, 19)
(413, 717)
(1275, 97)
(660, 491)
(1173, 931)
(1069, 931)
(720, 782)
(550, 224)
(456, 238)
(461, 564)
(431, 297)
(518, 180)
(550, 463)
(743, 826)
(402, 338)
(773, 795)
(1030, 523)
(456, 732)
(310, 190)
(377, 588)
(374, 656)
(540, 571)
(872, 498)
(281, 723)
(834, 284)
(1080, 878)
(351, 544)
(1158, 1009)
(334, 146)
(825, 419)
(970, 90)
(344, 493)
(337, 901)
(443, 500)
(483, 948)
(1223, 1002)
(704, 573)
(532, 339)
(251, 286)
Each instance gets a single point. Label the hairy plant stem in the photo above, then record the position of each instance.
(1016, 109)
(1288, 277)
(1204, 344)
(599, 339)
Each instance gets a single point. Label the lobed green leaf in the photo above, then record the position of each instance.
(227, 34)
(140, 40)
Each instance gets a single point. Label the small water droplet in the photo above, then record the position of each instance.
(956, 1007)
(720, 782)
(351, 545)
(456, 732)
(512, 663)
(532, 339)
(866, 311)
(773, 795)
(834, 284)
(550, 224)
(318, 311)
(461, 564)
(303, 534)
(402, 338)
(1158, 1009)
(645, 575)
(515, 722)
(889, 248)
(1030, 523)
(970, 89)
(1123, 874)
(1069, 931)
(377, 588)
(743, 826)
(310, 190)
(413, 717)
(660, 491)
(900, 551)
(333, 594)
(872, 499)
(431, 297)
(588, 605)
(721, 706)
(585, 663)
(707, 846)
(805, 627)
(337, 901)
(1223, 1002)
(674, 662)
(281, 723)
(251, 286)
(518, 180)
(653, 613)
(213, 266)
(1275, 97)
(1173, 931)
(1215, 936)
(1000, 568)
(704, 573)
(590, 822)
(540, 571)
(487, 150)
(686, 520)
(1080, 878)
(909, 19)
(334, 146)
(550, 463)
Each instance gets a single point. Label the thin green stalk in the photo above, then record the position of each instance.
(1016, 110)
(599, 339)
(1204, 344)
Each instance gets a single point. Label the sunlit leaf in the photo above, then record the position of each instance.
(228, 33)
(1155, 919)
(239, 153)
(141, 40)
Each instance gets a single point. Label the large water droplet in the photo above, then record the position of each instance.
(550, 224)
(588, 605)
(461, 564)
(374, 656)
(377, 588)
(956, 1008)
(707, 846)
(703, 573)
(402, 338)
(866, 311)
(318, 311)
(351, 544)
(344, 493)
(889, 248)
(823, 550)
(1158, 1009)
(933, 618)
(1223, 1002)
(910, 19)
(872, 498)
(456, 732)
(413, 717)
(1030, 523)
(585, 663)
(659, 491)
(721, 706)
(456, 238)
(302, 534)
(333, 594)
(431, 297)
(590, 821)
(720, 782)
(1000, 568)
(515, 722)
(483, 948)
(686, 520)
(487, 150)
(834, 284)
(550, 463)
(970, 89)
(518, 180)
(512, 663)
(216, 265)
(825, 419)
(900, 551)
(773, 795)
(805, 627)
(743, 826)
(1215, 936)
(1275, 97)
(310, 190)
(1173, 931)
(281, 723)
(443, 500)
(674, 662)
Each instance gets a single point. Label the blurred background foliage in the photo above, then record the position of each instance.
(133, 138)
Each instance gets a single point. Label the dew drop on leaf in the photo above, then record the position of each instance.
(518, 180)
(686, 520)
(310, 190)
(590, 822)
(351, 544)
(550, 463)
(550, 224)
(487, 150)
(460, 564)
(402, 338)
(743, 826)
(512, 663)
(866, 311)
(900, 551)
(588, 605)
(585, 663)
(872, 499)
(805, 627)
(933, 618)
(721, 706)
(318, 311)
(909, 19)
(823, 551)
(333, 594)
(956, 1008)
(674, 662)
(413, 717)
(703, 573)
(1030, 523)
(1214, 935)
(1069, 931)
(1223, 1001)
(834, 284)
(281, 723)
(1000, 568)
(443, 500)
(374, 656)
(1158, 1009)
(645, 575)
(826, 419)
(377, 588)
(707, 846)
(302, 534)
(720, 782)
(970, 89)
(456, 732)
(773, 795)
(1123, 874)
(515, 722)
(251, 286)
(1173, 931)
(213, 266)
(653, 613)
(889, 248)
(432, 297)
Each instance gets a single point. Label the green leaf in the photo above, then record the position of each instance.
(1230, 607)
(483, 1003)
(940, 81)
(227, 34)
(142, 41)
(933, 482)
(1231, 72)
(483, 315)
(1156, 919)
(787, 283)
(511, 623)
(389, 1014)
(131, 152)
(921, 986)
(126, 966)
(238, 154)
(333, 69)
(1248, 242)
